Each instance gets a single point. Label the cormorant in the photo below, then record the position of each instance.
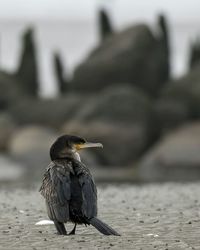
(69, 189)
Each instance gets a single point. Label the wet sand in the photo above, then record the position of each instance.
(149, 217)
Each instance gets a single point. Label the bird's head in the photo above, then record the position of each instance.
(68, 146)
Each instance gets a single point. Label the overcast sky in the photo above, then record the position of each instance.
(85, 9)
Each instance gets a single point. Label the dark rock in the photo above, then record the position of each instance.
(176, 157)
(27, 72)
(122, 103)
(104, 23)
(60, 73)
(133, 55)
(194, 53)
(186, 91)
(164, 38)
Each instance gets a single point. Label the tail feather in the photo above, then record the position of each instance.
(102, 227)
(60, 228)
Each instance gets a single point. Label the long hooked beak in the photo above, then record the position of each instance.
(89, 145)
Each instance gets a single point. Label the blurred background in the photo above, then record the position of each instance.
(124, 73)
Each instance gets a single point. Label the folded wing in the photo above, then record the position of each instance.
(89, 192)
(56, 191)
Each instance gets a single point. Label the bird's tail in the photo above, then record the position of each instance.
(102, 227)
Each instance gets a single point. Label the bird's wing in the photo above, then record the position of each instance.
(56, 190)
(89, 192)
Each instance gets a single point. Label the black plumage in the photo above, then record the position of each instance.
(69, 189)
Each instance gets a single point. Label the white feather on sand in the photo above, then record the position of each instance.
(44, 222)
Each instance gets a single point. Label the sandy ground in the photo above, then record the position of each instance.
(149, 217)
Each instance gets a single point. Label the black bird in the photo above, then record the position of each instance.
(69, 189)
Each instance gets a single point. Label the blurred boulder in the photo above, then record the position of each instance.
(133, 55)
(48, 112)
(7, 129)
(89, 158)
(176, 157)
(185, 90)
(31, 145)
(10, 170)
(121, 118)
(171, 113)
